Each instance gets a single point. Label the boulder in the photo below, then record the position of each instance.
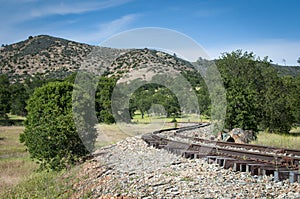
(237, 135)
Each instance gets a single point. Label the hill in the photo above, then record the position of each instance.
(55, 57)
(287, 70)
(41, 55)
(52, 57)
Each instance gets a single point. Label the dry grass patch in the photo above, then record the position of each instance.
(15, 163)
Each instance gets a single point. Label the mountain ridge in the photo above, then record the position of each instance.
(50, 56)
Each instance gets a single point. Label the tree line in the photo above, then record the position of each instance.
(257, 98)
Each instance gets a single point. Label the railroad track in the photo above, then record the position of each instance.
(282, 163)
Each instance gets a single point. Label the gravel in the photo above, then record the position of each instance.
(131, 169)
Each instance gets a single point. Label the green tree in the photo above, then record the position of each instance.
(296, 99)
(292, 86)
(256, 96)
(50, 134)
(276, 113)
(200, 88)
(150, 94)
(241, 78)
(5, 102)
(103, 99)
(19, 96)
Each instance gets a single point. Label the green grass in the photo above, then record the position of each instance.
(137, 118)
(15, 117)
(9, 142)
(291, 140)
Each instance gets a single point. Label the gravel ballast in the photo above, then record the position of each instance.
(131, 169)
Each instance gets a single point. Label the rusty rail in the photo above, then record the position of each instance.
(283, 161)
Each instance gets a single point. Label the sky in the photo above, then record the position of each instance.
(266, 27)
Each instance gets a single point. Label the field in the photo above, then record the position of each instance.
(137, 118)
(15, 163)
(19, 178)
(291, 140)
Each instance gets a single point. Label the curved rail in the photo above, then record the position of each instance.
(266, 160)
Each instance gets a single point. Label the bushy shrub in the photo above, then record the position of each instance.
(50, 134)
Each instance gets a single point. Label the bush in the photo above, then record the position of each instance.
(50, 134)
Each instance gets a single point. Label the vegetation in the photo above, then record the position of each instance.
(4, 96)
(103, 100)
(50, 134)
(291, 140)
(44, 55)
(15, 163)
(149, 94)
(257, 98)
(44, 184)
(19, 177)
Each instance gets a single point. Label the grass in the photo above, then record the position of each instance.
(18, 176)
(137, 118)
(45, 184)
(15, 163)
(109, 134)
(12, 120)
(15, 117)
(291, 140)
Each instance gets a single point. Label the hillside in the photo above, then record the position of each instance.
(41, 55)
(287, 70)
(56, 57)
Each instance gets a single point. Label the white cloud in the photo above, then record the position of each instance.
(276, 50)
(105, 30)
(23, 12)
(74, 7)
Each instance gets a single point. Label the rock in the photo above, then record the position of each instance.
(130, 169)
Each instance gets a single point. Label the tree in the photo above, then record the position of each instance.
(50, 134)
(298, 61)
(292, 86)
(256, 96)
(19, 96)
(276, 111)
(284, 61)
(103, 99)
(4, 96)
(147, 95)
(240, 75)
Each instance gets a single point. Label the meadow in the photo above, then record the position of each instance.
(291, 140)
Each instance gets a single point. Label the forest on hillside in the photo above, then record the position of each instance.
(257, 98)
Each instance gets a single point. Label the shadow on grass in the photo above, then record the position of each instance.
(11, 122)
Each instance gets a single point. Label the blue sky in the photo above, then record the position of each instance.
(266, 27)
